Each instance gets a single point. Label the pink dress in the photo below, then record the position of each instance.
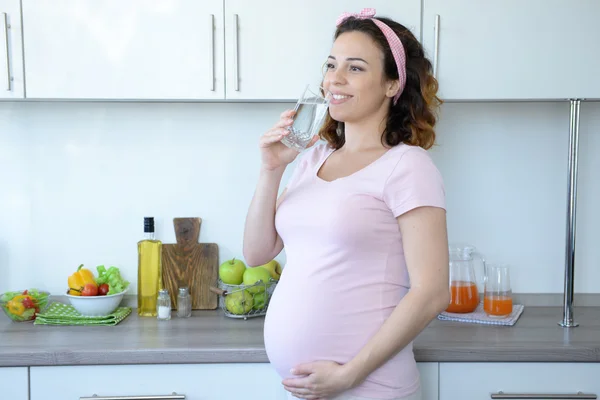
(345, 270)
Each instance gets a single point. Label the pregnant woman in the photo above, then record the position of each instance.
(362, 220)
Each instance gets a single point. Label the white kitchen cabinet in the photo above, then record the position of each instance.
(513, 49)
(429, 380)
(11, 54)
(135, 49)
(228, 381)
(476, 381)
(14, 383)
(184, 49)
(275, 48)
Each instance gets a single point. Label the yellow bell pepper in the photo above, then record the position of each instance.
(15, 307)
(78, 280)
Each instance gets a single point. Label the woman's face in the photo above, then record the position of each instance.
(354, 76)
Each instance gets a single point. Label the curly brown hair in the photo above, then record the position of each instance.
(412, 119)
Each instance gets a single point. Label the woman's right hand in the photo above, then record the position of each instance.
(275, 154)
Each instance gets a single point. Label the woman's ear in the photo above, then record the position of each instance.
(392, 88)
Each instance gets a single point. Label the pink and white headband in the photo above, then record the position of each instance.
(392, 38)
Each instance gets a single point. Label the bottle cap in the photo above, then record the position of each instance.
(149, 224)
(183, 291)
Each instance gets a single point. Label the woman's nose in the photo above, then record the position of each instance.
(336, 77)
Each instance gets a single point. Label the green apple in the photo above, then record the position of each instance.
(231, 272)
(260, 300)
(239, 302)
(274, 269)
(255, 274)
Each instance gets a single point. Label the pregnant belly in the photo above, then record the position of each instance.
(309, 321)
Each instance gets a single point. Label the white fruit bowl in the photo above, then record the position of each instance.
(96, 306)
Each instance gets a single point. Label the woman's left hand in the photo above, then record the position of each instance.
(318, 380)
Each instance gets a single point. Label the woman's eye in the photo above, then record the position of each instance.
(355, 68)
(328, 66)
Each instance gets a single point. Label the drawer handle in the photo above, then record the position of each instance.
(236, 61)
(173, 396)
(542, 396)
(212, 52)
(436, 45)
(4, 19)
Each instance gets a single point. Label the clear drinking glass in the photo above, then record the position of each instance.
(311, 110)
(497, 297)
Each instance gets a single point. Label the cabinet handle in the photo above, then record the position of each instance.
(236, 77)
(4, 18)
(173, 396)
(542, 396)
(436, 44)
(212, 52)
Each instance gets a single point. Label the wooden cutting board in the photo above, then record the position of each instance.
(192, 264)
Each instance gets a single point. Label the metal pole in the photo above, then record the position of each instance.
(567, 321)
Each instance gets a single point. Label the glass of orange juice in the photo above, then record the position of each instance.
(497, 297)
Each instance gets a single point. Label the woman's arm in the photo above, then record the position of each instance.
(425, 243)
(261, 241)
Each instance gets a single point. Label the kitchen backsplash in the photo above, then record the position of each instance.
(78, 178)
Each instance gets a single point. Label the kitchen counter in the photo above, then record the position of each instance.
(209, 337)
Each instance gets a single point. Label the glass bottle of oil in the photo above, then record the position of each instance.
(149, 270)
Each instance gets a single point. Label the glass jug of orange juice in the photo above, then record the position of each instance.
(464, 286)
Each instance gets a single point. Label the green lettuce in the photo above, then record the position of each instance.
(112, 277)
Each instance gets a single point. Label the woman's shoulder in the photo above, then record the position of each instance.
(408, 156)
(410, 164)
(403, 148)
(413, 180)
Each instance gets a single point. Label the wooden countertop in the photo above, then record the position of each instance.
(210, 337)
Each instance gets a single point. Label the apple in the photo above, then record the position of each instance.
(255, 274)
(231, 271)
(274, 269)
(239, 302)
(260, 301)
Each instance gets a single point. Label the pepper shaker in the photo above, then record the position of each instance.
(184, 303)
(163, 305)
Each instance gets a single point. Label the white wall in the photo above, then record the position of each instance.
(505, 167)
(78, 178)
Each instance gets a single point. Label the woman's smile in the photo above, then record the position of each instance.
(339, 98)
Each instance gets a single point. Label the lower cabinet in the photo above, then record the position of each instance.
(248, 381)
(14, 383)
(429, 380)
(196, 381)
(478, 381)
(259, 381)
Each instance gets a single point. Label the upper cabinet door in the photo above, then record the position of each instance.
(275, 48)
(11, 46)
(514, 49)
(134, 49)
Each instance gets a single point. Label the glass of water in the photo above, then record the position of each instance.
(311, 110)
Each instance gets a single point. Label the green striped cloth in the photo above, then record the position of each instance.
(65, 314)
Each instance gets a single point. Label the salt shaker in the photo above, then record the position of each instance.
(163, 305)
(184, 303)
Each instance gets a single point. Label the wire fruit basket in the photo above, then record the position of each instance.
(245, 301)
